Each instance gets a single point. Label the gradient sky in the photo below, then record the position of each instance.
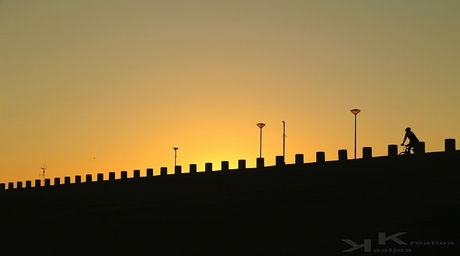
(95, 86)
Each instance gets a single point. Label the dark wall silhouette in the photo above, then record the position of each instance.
(288, 209)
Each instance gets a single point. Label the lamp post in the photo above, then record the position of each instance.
(260, 125)
(175, 156)
(355, 112)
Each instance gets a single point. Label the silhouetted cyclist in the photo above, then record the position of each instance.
(412, 139)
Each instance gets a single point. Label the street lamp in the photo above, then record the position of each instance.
(175, 156)
(260, 125)
(355, 112)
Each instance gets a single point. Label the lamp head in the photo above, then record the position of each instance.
(355, 111)
(260, 125)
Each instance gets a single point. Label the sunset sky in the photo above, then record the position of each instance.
(93, 86)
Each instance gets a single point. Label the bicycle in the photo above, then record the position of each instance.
(406, 151)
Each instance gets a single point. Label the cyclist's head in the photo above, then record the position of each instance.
(407, 129)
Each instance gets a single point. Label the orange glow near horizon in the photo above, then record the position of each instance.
(93, 87)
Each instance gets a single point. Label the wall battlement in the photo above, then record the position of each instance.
(299, 208)
(450, 148)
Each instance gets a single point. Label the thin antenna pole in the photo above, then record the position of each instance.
(284, 140)
(43, 168)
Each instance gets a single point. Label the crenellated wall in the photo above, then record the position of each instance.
(450, 147)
